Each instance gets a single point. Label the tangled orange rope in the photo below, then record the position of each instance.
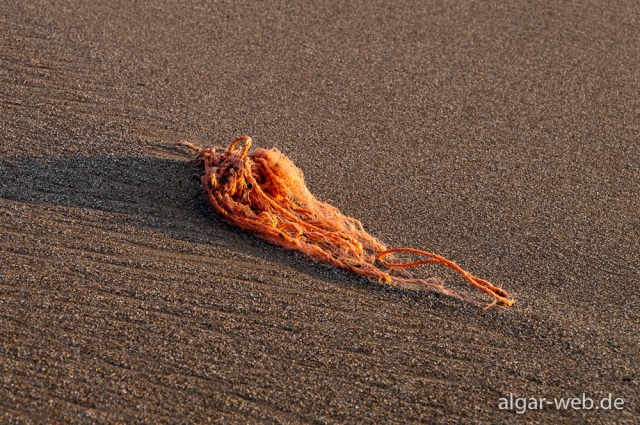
(264, 192)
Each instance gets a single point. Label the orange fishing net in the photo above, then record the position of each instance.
(264, 192)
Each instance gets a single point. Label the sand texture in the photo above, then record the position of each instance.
(504, 135)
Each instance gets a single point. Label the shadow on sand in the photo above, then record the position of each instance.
(161, 194)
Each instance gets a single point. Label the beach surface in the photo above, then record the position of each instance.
(503, 135)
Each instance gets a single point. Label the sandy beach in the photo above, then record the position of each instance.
(503, 135)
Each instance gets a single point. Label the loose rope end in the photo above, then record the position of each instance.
(189, 145)
(498, 294)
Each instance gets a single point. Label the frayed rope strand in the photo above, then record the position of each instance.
(264, 192)
(497, 293)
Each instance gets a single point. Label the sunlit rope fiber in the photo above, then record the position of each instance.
(264, 192)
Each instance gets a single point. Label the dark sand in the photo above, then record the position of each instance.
(503, 136)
